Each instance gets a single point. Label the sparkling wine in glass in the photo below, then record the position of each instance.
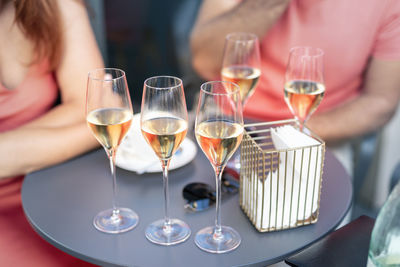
(219, 131)
(304, 82)
(241, 62)
(164, 124)
(109, 116)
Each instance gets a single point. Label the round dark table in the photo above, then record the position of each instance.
(60, 203)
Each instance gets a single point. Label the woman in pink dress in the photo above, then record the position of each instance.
(47, 48)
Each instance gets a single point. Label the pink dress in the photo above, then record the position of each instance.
(20, 245)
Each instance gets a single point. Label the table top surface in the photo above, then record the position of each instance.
(60, 203)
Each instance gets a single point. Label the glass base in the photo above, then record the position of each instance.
(228, 240)
(178, 232)
(124, 220)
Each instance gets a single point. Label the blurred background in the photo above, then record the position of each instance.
(151, 37)
(146, 38)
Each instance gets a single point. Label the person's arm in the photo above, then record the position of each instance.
(216, 19)
(369, 112)
(61, 133)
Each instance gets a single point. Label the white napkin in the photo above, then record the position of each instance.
(283, 206)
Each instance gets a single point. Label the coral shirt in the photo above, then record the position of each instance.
(349, 32)
(20, 245)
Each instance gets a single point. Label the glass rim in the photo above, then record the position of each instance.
(91, 73)
(180, 83)
(237, 90)
(234, 36)
(316, 50)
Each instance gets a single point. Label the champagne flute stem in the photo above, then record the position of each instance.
(244, 101)
(112, 153)
(167, 221)
(302, 124)
(218, 176)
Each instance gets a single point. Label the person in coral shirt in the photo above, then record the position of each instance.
(361, 43)
(47, 49)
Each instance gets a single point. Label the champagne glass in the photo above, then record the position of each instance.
(219, 131)
(241, 65)
(109, 116)
(241, 62)
(304, 82)
(164, 123)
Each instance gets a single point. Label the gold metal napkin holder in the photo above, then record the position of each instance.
(279, 189)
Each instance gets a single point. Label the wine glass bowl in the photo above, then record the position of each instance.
(304, 86)
(109, 115)
(164, 124)
(241, 62)
(219, 131)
